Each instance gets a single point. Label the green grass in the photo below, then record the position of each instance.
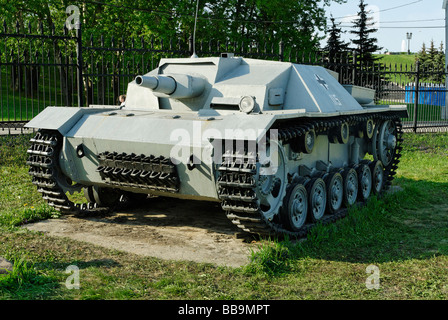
(399, 68)
(425, 112)
(25, 282)
(398, 60)
(404, 234)
(16, 105)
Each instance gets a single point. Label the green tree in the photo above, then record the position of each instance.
(440, 60)
(365, 43)
(295, 22)
(422, 55)
(432, 63)
(245, 24)
(432, 55)
(335, 45)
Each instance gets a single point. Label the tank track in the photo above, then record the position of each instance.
(237, 185)
(46, 175)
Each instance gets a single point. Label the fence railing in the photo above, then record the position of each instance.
(60, 68)
(37, 70)
(406, 85)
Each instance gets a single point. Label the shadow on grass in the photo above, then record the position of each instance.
(408, 224)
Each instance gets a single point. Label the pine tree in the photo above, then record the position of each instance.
(432, 61)
(422, 56)
(439, 66)
(366, 45)
(432, 56)
(335, 45)
(440, 60)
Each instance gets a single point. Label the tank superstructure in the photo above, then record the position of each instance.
(279, 145)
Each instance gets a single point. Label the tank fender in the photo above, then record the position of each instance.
(62, 119)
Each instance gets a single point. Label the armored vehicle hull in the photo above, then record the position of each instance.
(281, 146)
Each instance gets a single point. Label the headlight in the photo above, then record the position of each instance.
(247, 104)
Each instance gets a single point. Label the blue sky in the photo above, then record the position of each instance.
(396, 18)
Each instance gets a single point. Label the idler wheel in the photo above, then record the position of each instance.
(88, 194)
(271, 180)
(105, 197)
(387, 142)
(384, 142)
(295, 209)
(134, 197)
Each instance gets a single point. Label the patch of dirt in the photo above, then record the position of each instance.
(164, 228)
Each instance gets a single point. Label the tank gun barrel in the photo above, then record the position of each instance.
(162, 84)
(178, 86)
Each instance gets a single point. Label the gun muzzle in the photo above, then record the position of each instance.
(162, 84)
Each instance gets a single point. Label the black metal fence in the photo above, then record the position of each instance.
(66, 68)
(37, 69)
(422, 89)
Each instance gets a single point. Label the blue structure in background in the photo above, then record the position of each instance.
(429, 95)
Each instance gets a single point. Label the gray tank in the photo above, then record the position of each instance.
(281, 146)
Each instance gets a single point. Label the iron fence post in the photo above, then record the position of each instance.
(445, 105)
(416, 93)
(80, 65)
(281, 50)
(190, 45)
(355, 65)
